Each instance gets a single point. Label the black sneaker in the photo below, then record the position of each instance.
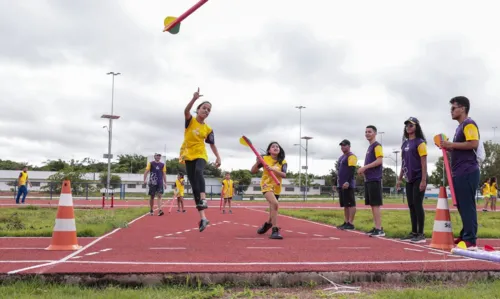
(378, 233)
(409, 237)
(264, 228)
(183, 211)
(203, 224)
(419, 238)
(276, 234)
(371, 231)
(160, 213)
(349, 226)
(202, 206)
(342, 225)
(230, 211)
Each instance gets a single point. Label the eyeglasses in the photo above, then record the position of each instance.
(410, 125)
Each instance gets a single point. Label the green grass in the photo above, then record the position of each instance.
(32, 221)
(37, 289)
(396, 224)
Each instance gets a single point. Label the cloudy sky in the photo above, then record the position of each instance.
(351, 63)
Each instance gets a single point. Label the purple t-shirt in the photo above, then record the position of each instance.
(463, 161)
(372, 174)
(345, 172)
(412, 165)
(156, 173)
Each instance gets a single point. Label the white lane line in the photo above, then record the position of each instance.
(167, 248)
(92, 253)
(107, 249)
(413, 249)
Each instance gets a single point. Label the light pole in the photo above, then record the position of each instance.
(300, 142)
(494, 128)
(396, 152)
(307, 138)
(111, 117)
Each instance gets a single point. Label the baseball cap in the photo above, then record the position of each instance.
(345, 142)
(412, 120)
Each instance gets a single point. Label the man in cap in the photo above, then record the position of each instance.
(157, 181)
(346, 184)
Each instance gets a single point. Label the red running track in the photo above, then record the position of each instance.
(172, 243)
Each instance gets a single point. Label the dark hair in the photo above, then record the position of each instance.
(493, 179)
(462, 102)
(281, 154)
(418, 133)
(181, 174)
(372, 127)
(201, 104)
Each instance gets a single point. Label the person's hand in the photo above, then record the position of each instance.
(345, 186)
(197, 94)
(398, 185)
(446, 144)
(217, 163)
(423, 185)
(361, 170)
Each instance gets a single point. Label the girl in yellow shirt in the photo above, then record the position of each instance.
(486, 194)
(275, 160)
(179, 192)
(194, 154)
(227, 192)
(493, 193)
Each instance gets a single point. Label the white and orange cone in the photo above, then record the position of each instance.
(442, 234)
(64, 233)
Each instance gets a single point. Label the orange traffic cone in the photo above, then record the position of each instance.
(442, 234)
(64, 234)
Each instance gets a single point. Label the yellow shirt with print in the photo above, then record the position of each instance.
(179, 186)
(227, 188)
(195, 136)
(493, 189)
(267, 183)
(486, 190)
(23, 178)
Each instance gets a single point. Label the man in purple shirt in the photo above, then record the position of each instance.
(346, 184)
(464, 168)
(372, 171)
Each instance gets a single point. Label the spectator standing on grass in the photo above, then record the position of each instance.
(414, 169)
(464, 168)
(22, 185)
(346, 184)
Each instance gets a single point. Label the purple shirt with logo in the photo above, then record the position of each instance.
(156, 173)
(372, 174)
(345, 171)
(412, 165)
(463, 161)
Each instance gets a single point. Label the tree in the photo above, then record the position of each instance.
(436, 177)
(212, 171)
(491, 165)
(174, 167)
(115, 181)
(11, 165)
(242, 178)
(130, 164)
(388, 177)
(75, 176)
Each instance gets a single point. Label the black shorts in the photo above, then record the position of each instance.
(347, 198)
(228, 198)
(276, 195)
(155, 190)
(373, 194)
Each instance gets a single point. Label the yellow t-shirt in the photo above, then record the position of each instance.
(227, 188)
(267, 183)
(195, 137)
(179, 185)
(486, 189)
(23, 178)
(493, 189)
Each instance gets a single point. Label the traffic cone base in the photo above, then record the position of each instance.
(64, 233)
(442, 233)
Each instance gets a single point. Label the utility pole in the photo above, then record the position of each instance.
(111, 117)
(300, 143)
(307, 176)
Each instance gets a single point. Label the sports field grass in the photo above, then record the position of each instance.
(32, 221)
(396, 223)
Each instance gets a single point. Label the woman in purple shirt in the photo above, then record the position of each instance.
(414, 169)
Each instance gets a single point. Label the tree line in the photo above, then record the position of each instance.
(135, 163)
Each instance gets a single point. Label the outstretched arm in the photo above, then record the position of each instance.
(187, 110)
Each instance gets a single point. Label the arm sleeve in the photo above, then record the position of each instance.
(284, 167)
(210, 138)
(165, 168)
(187, 122)
(379, 151)
(352, 160)
(422, 149)
(471, 132)
(148, 167)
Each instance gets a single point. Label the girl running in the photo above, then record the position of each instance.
(493, 193)
(275, 159)
(179, 192)
(194, 153)
(414, 168)
(486, 194)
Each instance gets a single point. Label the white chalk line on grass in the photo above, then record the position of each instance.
(66, 258)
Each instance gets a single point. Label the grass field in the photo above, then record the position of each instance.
(32, 221)
(38, 289)
(397, 224)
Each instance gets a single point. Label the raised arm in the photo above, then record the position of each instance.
(187, 110)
